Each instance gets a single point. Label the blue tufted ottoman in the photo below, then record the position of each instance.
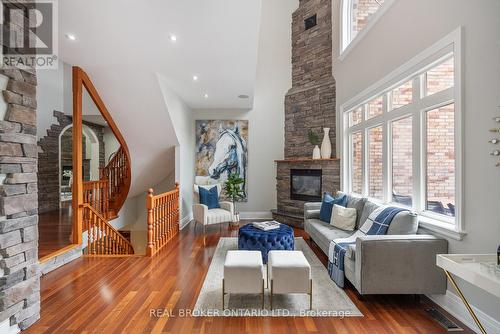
(251, 238)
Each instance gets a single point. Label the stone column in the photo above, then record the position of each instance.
(20, 281)
(19, 268)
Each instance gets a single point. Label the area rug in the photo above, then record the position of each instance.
(328, 299)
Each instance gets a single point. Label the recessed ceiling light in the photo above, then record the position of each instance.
(71, 37)
(205, 96)
(173, 37)
(195, 78)
(243, 96)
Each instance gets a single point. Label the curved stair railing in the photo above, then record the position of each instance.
(117, 175)
(98, 202)
(103, 239)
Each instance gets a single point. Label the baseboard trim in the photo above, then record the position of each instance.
(454, 305)
(185, 221)
(6, 328)
(256, 215)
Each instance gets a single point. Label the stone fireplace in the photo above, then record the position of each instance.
(305, 184)
(309, 105)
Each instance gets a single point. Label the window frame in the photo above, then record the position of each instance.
(414, 70)
(347, 43)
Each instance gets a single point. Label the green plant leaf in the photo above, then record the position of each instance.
(313, 137)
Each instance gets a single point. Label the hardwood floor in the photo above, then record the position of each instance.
(116, 294)
(54, 230)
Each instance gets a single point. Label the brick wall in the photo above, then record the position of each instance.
(402, 165)
(440, 143)
(48, 160)
(440, 158)
(361, 12)
(357, 163)
(375, 163)
(441, 155)
(19, 268)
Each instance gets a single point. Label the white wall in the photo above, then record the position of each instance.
(182, 119)
(406, 29)
(133, 215)
(266, 119)
(111, 144)
(128, 213)
(92, 151)
(54, 92)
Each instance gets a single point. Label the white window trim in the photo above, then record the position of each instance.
(346, 43)
(453, 42)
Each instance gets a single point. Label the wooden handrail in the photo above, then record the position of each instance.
(163, 219)
(82, 81)
(103, 238)
(117, 174)
(95, 193)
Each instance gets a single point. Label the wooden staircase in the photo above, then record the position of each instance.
(108, 194)
(103, 239)
(117, 173)
(99, 202)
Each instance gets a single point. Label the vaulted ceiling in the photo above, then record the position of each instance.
(124, 44)
(216, 41)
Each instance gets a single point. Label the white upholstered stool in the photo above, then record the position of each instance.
(243, 273)
(289, 272)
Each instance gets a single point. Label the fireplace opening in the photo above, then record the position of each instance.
(305, 184)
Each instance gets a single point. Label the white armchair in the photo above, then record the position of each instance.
(202, 215)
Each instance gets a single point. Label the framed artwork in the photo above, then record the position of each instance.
(221, 149)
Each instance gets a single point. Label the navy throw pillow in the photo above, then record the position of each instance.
(325, 212)
(209, 197)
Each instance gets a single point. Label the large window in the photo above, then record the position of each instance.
(402, 141)
(440, 163)
(356, 14)
(402, 161)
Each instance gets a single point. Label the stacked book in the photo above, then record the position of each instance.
(267, 226)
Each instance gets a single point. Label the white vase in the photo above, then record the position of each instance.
(326, 145)
(316, 152)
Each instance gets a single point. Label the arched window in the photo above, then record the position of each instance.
(355, 16)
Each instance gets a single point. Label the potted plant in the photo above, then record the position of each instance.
(234, 191)
(315, 140)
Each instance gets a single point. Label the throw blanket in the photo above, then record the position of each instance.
(377, 224)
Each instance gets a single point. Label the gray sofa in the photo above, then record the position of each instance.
(401, 262)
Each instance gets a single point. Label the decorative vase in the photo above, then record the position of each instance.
(326, 145)
(316, 152)
(235, 223)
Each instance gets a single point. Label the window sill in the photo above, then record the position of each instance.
(442, 228)
(373, 19)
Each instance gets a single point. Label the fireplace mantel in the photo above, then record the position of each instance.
(302, 160)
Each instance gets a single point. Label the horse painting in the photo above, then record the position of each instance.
(221, 151)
